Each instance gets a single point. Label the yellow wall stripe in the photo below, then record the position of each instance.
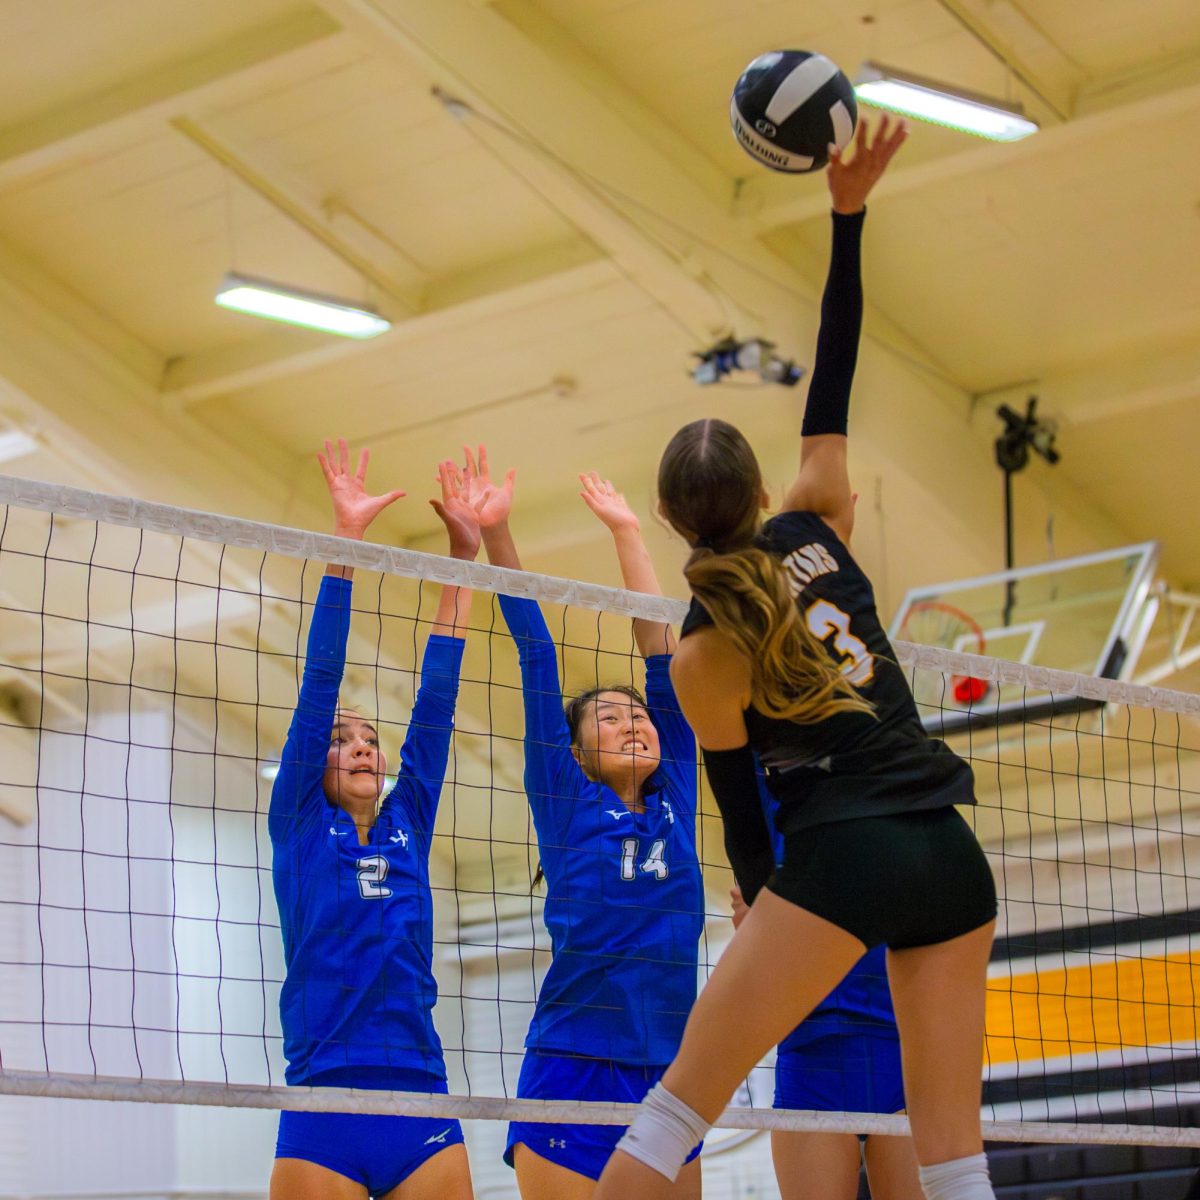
(1082, 1010)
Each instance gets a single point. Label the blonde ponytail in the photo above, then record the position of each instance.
(748, 596)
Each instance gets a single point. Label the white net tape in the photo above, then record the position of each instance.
(551, 589)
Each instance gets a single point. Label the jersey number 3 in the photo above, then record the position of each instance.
(653, 864)
(858, 663)
(372, 871)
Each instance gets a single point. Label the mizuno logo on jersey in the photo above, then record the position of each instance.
(401, 837)
(333, 829)
(667, 809)
(617, 813)
(805, 564)
(438, 1138)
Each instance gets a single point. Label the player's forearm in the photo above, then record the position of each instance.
(453, 614)
(500, 547)
(638, 575)
(426, 749)
(336, 570)
(828, 405)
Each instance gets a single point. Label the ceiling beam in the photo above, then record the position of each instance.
(767, 203)
(354, 246)
(64, 370)
(556, 271)
(289, 48)
(1024, 48)
(1162, 77)
(655, 213)
(1140, 383)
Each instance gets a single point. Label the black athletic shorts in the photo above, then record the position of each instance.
(909, 879)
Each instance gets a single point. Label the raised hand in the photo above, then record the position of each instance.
(353, 508)
(607, 503)
(457, 512)
(851, 182)
(492, 502)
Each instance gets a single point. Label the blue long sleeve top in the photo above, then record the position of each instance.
(357, 920)
(625, 900)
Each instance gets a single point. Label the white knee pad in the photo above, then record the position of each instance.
(664, 1132)
(958, 1179)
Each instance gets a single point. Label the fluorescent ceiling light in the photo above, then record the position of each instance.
(16, 444)
(926, 100)
(296, 307)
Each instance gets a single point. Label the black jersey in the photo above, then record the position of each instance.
(852, 764)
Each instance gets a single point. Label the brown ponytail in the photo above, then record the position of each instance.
(748, 596)
(710, 490)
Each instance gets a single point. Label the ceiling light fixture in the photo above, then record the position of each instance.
(954, 108)
(294, 306)
(16, 443)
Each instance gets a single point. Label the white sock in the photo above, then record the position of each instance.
(664, 1132)
(958, 1179)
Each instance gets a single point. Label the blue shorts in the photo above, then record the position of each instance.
(583, 1149)
(378, 1152)
(842, 1073)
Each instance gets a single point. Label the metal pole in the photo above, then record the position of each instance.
(1010, 587)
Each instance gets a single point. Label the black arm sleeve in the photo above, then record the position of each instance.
(734, 783)
(841, 322)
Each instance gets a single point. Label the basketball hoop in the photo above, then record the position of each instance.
(935, 623)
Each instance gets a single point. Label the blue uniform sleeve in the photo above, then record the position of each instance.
(551, 772)
(426, 748)
(297, 792)
(677, 742)
(769, 806)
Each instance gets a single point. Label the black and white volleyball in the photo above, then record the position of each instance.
(789, 106)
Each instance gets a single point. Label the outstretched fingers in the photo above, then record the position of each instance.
(887, 142)
(450, 477)
(472, 470)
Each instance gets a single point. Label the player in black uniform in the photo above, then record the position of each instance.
(783, 654)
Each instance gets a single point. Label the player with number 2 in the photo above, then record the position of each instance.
(351, 879)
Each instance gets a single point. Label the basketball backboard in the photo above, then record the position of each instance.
(1081, 614)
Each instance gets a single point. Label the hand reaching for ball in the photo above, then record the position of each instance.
(850, 182)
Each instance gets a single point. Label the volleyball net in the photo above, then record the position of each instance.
(150, 659)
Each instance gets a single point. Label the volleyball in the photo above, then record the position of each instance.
(789, 106)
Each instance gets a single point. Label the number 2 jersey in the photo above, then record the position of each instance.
(357, 920)
(852, 764)
(625, 900)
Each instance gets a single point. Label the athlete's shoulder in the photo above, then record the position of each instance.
(783, 532)
(697, 617)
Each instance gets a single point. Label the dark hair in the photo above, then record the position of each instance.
(710, 490)
(574, 710)
(577, 705)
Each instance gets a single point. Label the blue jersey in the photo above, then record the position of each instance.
(624, 898)
(862, 1002)
(357, 920)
